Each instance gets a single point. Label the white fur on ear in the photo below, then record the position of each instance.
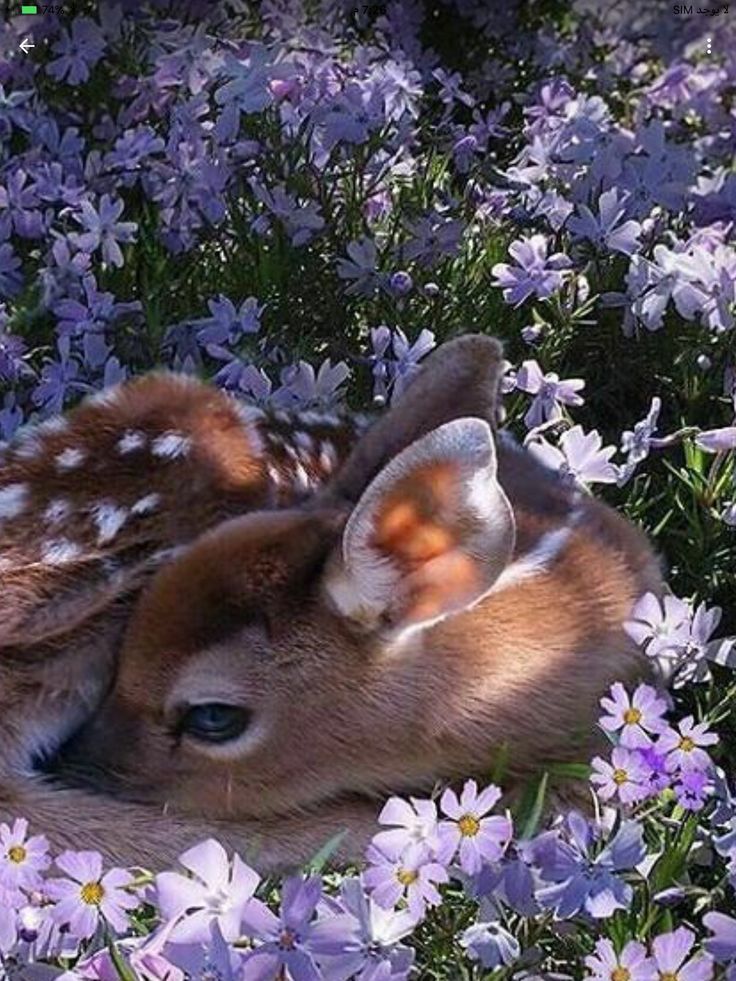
(368, 586)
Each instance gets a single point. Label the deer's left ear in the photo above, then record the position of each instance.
(430, 535)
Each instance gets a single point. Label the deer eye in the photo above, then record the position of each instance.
(214, 722)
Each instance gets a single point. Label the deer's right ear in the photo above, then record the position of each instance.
(428, 538)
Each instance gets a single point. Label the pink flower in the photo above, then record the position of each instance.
(581, 457)
(409, 874)
(415, 823)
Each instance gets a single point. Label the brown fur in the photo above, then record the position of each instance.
(380, 696)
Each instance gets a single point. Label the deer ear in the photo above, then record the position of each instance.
(430, 535)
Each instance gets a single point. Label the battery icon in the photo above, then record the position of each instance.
(29, 8)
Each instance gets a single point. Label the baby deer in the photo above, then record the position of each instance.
(92, 502)
(445, 599)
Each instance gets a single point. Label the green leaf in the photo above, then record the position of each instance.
(326, 852)
(532, 805)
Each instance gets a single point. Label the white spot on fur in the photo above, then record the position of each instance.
(252, 418)
(273, 474)
(301, 479)
(327, 456)
(13, 500)
(56, 424)
(56, 511)
(108, 396)
(132, 439)
(303, 440)
(146, 504)
(28, 446)
(171, 445)
(109, 519)
(70, 458)
(59, 552)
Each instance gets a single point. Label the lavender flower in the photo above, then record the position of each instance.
(580, 458)
(636, 717)
(632, 963)
(284, 940)
(684, 745)
(216, 890)
(490, 944)
(87, 894)
(625, 777)
(22, 859)
(103, 230)
(549, 393)
(608, 230)
(414, 822)
(396, 873)
(535, 273)
(671, 952)
(722, 945)
(393, 372)
(636, 443)
(78, 49)
(470, 831)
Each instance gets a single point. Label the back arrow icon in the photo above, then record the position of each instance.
(25, 44)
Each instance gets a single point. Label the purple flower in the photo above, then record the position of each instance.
(400, 283)
(393, 372)
(636, 443)
(414, 823)
(625, 777)
(535, 273)
(19, 203)
(683, 745)
(671, 951)
(226, 325)
(22, 859)
(285, 940)
(361, 268)
(636, 717)
(301, 221)
(659, 626)
(580, 458)
(658, 778)
(396, 873)
(12, 349)
(433, 238)
(489, 944)
(87, 894)
(632, 963)
(717, 440)
(722, 945)
(302, 388)
(11, 277)
(478, 838)
(607, 231)
(573, 879)
(549, 393)
(79, 50)
(103, 230)
(692, 789)
(217, 890)
(363, 941)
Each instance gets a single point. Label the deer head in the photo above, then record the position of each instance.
(93, 502)
(444, 599)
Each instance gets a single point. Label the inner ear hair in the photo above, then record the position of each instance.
(459, 379)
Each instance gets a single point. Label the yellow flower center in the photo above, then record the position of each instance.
(92, 893)
(17, 854)
(620, 974)
(620, 776)
(469, 826)
(686, 744)
(407, 877)
(669, 976)
(632, 716)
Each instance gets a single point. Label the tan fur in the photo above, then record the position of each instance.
(91, 504)
(345, 703)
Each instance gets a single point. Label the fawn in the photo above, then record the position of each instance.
(443, 599)
(91, 503)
